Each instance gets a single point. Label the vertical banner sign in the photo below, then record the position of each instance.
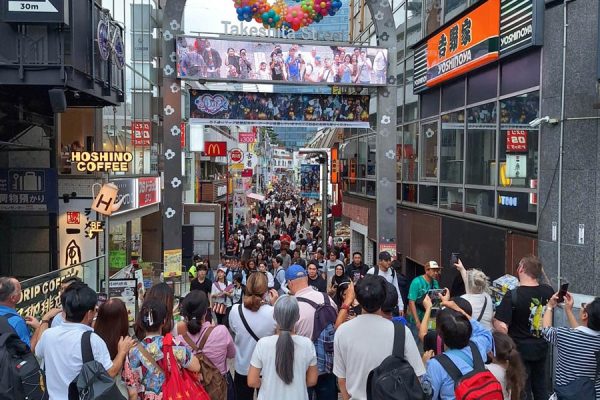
(310, 181)
(77, 240)
(240, 207)
(516, 141)
(173, 260)
(140, 133)
(335, 165)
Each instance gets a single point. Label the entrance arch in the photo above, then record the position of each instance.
(385, 166)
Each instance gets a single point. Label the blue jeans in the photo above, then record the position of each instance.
(326, 388)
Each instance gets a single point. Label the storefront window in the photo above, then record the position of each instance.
(451, 152)
(481, 144)
(479, 202)
(429, 151)
(451, 198)
(409, 153)
(517, 206)
(362, 157)
(518, 151)
(371, 156)
(409, 193)
(428, 195)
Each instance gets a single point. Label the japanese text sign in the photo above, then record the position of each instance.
(247, 137)
(516, 141)
(140, 133)
(465, 44)
(28, 190)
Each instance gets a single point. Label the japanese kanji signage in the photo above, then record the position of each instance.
(467, 43)
(516, 141)
(28, 190)
(148, 191)
(78, 228)
(140, 133)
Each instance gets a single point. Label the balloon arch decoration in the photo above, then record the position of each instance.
(293, 17)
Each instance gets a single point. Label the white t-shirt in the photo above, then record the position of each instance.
(500, 373)
(477, 301)
(60, 349)
(272, 387)
(262, 324)
(392, 278)
(361, 344)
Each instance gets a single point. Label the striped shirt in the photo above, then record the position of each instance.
(576, 353)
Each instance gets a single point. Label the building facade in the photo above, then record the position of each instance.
(476, 173)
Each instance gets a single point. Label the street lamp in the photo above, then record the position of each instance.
(323, 157)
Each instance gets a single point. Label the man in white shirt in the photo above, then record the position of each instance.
(384, 268)
(60, 347)
(353, 356)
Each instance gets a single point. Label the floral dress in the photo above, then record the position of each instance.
(142, 376)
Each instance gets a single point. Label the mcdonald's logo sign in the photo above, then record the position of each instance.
(215, 149)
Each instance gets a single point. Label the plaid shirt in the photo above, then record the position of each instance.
(324, 350)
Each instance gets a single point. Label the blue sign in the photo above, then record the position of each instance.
(28, 190)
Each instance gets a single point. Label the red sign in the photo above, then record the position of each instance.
(147, 191)
(247, 137)
(236, 156)
(140, 133)
(73, 217)
(516, 141)
(215, 149)
(183, 135)
(247, 173)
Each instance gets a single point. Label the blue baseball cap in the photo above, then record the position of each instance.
(294, 272)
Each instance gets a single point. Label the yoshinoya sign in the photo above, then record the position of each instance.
(36, 11)
(495, 29)
(101, 161)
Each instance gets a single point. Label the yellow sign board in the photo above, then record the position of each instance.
(237, 167)
(173, 260)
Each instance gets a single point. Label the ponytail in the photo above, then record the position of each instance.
(506, 351)
(286, 314)
(194, 308)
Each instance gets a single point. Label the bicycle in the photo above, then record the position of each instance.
(110, 42)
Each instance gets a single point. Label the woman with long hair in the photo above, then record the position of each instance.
(286, 361)
(258, 315)
(507, 366)
(144, 380)
(112, 323)
(218, 345)
(220, 295)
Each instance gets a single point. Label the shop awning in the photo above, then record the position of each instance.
(256, 196)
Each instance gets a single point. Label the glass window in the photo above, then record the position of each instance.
(414, 12)
(428, 195)
(433, 16)
(453, 95)
(411, 101)
(520, 73)
(429, 151)
(453, 8)
(518, 144)
(409, 153)
(370, 188)
(371, 155)
(362, 157)
(399, 154)
(481, 145)
(451, 198)
(430, 103)
(517, 207)
(409, 193)
(482, 85)
(452, 147)
(479, 202)
(400, 93)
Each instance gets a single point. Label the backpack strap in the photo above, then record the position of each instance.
(483, 309)
(478, 364)
(449, 367)
(399, 338)
(376, 270)
(312, 303)
(514, 298)
(245, 322)
(86, 347)
(205, 337)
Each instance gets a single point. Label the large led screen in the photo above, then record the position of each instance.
(242, 61)
(278, 109)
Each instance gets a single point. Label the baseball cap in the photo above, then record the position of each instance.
(385, 256)
(258, 245)
(223, 269)
(432, 264)
(294, 272)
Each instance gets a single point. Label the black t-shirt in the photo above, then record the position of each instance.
(205, 286)
(356, 273)
(319, 283)
(524, 319)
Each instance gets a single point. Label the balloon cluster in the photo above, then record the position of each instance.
(280, 15)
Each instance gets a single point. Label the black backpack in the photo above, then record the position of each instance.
(93, 382)
(20, 373)
(395, 378)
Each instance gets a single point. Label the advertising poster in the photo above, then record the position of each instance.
(126, 291)
(310, 181)
(173, 260)
(278, 109)
(295, 63)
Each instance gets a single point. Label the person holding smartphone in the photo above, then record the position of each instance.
(417, 292)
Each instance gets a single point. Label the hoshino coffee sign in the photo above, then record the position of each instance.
(495, 29)
(101, 161)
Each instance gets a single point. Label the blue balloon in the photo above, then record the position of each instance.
(240, 17)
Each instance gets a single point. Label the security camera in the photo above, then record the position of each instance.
(538, 121)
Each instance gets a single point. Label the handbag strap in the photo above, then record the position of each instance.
(483, 309)
(245, 322)
(149, 357)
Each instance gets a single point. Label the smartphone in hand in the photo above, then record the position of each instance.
(562, 292)
(454, 258)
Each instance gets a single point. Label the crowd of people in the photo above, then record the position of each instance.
(288, 315)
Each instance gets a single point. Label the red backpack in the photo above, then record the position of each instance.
(179, 382)
(479, 384)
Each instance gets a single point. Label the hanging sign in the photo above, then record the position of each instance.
(516, 141)
(247, 137)
(236, 156)
(215, 149)
(140, 133)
